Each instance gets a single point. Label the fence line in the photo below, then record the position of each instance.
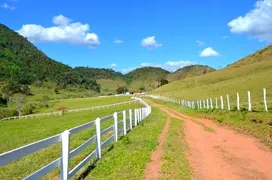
(64, 138)
(68, 111)
(208, 103)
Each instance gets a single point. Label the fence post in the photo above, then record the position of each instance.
(265, 102)
(216, 103)
(238, 102)
(65, 155)
(124, 122)
(222, 102)
(249, 100)
(98, 138)
(228, 102)
(115, 117)
(211, 103)
(204, 104)
(135, 117)
(207, 104)
(130, 119)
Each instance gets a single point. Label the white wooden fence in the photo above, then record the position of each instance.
(209, 103)
(63, 161)
(68, 111)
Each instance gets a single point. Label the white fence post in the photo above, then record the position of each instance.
(207, 104)
(238, 102)
(211, 103)
(124, 122)
(130, 119)
(216, 103)
(115, 117)
(135, 117)
(265, 102)
(200, 104)
(204, 104)
(65, 150)
(98, 138)
(249, 100)
(228, 102)
(222, 102)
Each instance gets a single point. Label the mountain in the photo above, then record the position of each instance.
(145, 78)
(189, 71)
(99, 73)
(251, 73)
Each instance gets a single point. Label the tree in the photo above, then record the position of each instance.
(121, 90)
(142, 88)
(162, 82)
(20, 101)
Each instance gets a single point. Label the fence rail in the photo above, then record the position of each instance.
(68, 111)
(208, 103)
(64, 138)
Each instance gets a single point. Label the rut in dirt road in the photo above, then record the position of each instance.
(153, 167)
(223, 154)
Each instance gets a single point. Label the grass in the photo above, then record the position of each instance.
(109, 85)
(20, 132)
(174, 162)
(128, 158)
(258, 124)
(250, 74)
(84, 103)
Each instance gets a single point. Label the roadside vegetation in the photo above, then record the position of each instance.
(175, 165)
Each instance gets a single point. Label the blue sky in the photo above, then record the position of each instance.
(124, 35)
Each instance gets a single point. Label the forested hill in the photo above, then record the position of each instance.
(99, 73)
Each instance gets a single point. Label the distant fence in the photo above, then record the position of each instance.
(68, 111)
(216, 103)
(127, 122)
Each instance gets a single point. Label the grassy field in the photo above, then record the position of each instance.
(84, 103)
(110, 86)
(249, 74)
(257, 124)
(20, 132)
(128, 158)
(174, 162)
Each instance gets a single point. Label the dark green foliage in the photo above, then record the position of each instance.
(98, 73)
(22, 62)
(121, 90)
(162, 82)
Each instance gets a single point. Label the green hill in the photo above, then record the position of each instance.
(189, 71)
(250, 73)
(146, 78)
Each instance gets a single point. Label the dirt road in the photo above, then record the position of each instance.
(217, 152)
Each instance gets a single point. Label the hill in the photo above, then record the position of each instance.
(189, 71)
(250, 73)
(145, 78)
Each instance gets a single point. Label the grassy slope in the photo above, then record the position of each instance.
(129, 156)
(251, 74)
(20, 132)
(174, 162)
(110, 86)
(189, 71)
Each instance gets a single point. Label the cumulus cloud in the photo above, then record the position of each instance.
(6, 6)
(150, 43)
(200, 43)
(257, 23)
(63, 31)
(168, 65)
(113, 65)
(208, 52)
(118, 41)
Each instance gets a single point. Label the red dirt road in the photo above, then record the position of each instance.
(153, 167)
(224, 153)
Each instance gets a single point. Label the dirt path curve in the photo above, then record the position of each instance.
(153, 167)
(223, 154)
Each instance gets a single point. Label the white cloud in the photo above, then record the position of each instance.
(168, 65)
(64, 31)
(118, 41)
(113, 65)
(6, 6)
(208, 52)
(150, 43)
(200, 43)
(224, 37)
(257, 23)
